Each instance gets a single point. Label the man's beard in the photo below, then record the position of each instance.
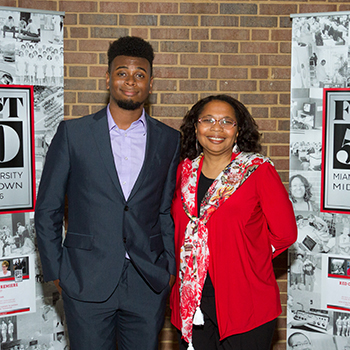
(129, 105)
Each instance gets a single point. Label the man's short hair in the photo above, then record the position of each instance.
(132, 46)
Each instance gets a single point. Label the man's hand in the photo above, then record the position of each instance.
(172, 281)
(57, 284)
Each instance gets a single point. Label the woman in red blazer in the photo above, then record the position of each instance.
(232, 217)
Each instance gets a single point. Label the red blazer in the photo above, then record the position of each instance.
(241, 232)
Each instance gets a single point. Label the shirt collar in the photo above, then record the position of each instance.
(141, 120)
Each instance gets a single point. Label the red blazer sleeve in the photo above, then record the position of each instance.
(277, 209)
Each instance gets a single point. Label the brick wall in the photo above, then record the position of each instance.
(241, 48)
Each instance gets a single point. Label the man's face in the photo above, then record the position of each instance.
(129, 82)
(300, 342)
(4, 268)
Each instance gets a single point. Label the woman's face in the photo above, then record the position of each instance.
(216, 139)
(297, 188)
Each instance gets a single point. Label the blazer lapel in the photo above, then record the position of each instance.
(151, 155)
(99, 129)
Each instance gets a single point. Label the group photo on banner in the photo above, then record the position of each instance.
(318, 303)
(31, 107)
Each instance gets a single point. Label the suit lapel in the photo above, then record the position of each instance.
(99, 129)
(151, 155)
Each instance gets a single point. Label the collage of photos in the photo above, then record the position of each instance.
(320, 59)
(31, 53)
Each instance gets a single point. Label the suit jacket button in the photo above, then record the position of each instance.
(124, 239)
(126, 208)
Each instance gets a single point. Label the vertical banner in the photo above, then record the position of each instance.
(31, 107)
(318, 303)
(16, 148)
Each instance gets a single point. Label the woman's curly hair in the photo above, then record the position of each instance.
(248, 139)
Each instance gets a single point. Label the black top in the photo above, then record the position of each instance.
(203, 185)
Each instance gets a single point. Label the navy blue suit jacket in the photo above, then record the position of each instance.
(102, 225)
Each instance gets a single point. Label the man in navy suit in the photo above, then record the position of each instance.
(117, 168)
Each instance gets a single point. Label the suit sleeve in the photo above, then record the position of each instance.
(167, 224)
(50, 204)
(277, 209)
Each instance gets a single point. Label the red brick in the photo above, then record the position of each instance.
(178, 46)
(284, 125)
(98, 19)
(281, 164)
(66, 111)
(171, 72)
(119, 7)
(168, 111)
(274, 85)
(266, 124)
(93, 45)
(197, 73)
(259, 73)
(280, 73)
(260, 99)
(197, 85)
(281, 35)
(79, 84)
(140, 32)
(230, 34)
(199, 60)
(285, 47)
(97, 71)
(307, 8)
(164, 85)
(239, 9)
(70, 97)
(170, 33)
(158, 7)
(237, 85)
(163, 58)
(10, 3)
(274, 9)
(93, 97)
(80, 110)
(260, 112)
(69, 45)
(279, 151)
(180, 98)
(229, 73)
(239, 60)
(258, 21)
(39, 5)
(219, 21)
(78, 6)
(285, 22)
(178, 20)
(79, 32)
(276, 137)
(280, 112)
(78, 71)
(199, 34)
(259, 47)
(137, 20)
(200, 8)
(81, 58)
(108, 32)
(275, 60)
(260, 34)
(222, 47)
(284, 99)
(70, 19)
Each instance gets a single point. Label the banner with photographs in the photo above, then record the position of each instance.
(318, 311)
(31, 55)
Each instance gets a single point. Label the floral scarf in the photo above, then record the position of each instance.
(194, 254)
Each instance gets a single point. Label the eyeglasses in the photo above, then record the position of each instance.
(225, 123)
